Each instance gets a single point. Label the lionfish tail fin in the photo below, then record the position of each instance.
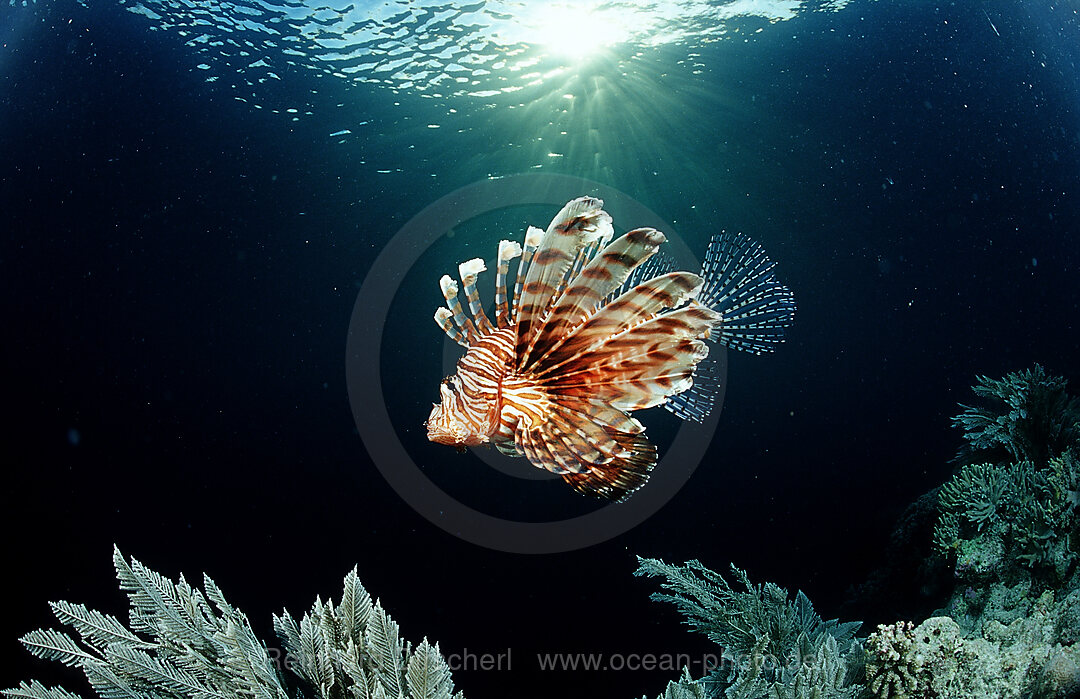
(618, 479)
(755, 308)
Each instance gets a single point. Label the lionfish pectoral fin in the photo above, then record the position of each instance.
(596, 448)
(508, 448)
(593, 284)
(740, 285)
(641, 366)
(581, 223)
(543, 452)
(612, 321)
(619, 478)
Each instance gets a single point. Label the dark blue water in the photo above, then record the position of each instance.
(181, 258)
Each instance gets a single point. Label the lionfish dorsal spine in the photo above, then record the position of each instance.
(444, 317)
(468, 271)
(584, 255)
(465, 327)
(508, 250)
(533, 236)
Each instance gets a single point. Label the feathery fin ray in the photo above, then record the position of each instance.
(756, 308)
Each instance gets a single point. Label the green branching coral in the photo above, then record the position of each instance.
(1016, 511)
(1064, 482)
(1029, 416)
(976, 493)
(186, 643)
(1047, 519)
(1022, 504)
(947, 533)
(772, 645)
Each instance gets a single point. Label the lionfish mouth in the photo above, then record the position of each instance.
(440, 437)
(461, 442)
(442, 434)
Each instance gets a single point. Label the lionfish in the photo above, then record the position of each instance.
(594, 331)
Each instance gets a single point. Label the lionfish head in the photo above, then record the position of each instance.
(445, 425)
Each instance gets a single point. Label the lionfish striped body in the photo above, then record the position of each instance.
(593, 330)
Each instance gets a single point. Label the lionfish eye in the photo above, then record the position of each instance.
(450, 383)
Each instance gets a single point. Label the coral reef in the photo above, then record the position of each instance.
(1028, 416)
(936, 659)
(186, 643)
(772, 645)
(1017, 515)
(1008, 524)
(1060, 675)
(905, 660)
(998, 517)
